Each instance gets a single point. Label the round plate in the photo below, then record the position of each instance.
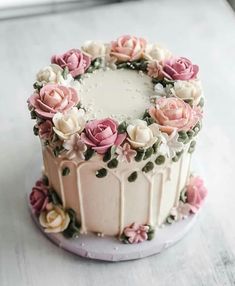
(111, 249)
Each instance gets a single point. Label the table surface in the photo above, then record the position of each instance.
(201, 30)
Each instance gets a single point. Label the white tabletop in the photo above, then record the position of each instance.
(201, 30)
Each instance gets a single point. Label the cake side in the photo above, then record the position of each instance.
(118, 123)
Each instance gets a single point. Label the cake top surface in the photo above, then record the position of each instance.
(122, 97)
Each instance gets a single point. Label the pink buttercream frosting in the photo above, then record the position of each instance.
(76, 61)
(128, 48)
(196, 193)
(102, 134)
(174, 114)
(136, 233)
(39, 197)
(53, 98)
(45, 130)
(179, 69)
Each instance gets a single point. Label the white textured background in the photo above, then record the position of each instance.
(204, 31)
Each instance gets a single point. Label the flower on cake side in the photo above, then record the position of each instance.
(52, 217)
(191, 200)
(137, 233)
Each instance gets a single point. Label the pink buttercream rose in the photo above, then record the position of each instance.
(136, 233)
(196, 193)
(128, 48)
(39, 197)
(154, 69)
(179, 69)
(76, 61)
(173, 113)
(53, 98)
(102, 134)
(45, 130)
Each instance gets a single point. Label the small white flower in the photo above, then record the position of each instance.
(157, 52)
(191, 89)
(69, 123)
(170, 144)
(75, 147)
(141, 135)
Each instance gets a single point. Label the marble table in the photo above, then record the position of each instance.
(201, 30)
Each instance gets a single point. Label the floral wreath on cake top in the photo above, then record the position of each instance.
(171, 122)
(173, 119)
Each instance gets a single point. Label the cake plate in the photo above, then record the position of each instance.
(110, 248)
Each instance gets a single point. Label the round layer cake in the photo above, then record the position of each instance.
(118, 123)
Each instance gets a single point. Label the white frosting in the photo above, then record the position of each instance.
(119, 94)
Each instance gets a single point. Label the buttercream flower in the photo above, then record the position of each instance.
(54, 219)
(157, 52)
(154, 69)
(94, 49)
(125, 153)
(75, 147)
(141, 135)
(182, 211)
(128, 48)
(170, 144)
(69, 123)
(136, 233)
(188, 90)
(174, 114)
(102, 134)
(53, 98)
(76, 61)
(49, 74)
(196, 193)
(45, 130)
(39, 197)
(179, 69)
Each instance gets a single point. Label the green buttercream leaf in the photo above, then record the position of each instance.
(160, 160)
(113, 163)
(35, 130)
(140, 154)
(148, 153)
(88, 154)
(148, 167)
(65, 171)
(54, 197)
(122, 127)
(150, 232)
(33, 114)
(65, 72)
(73, 229)
(107, 156)
(133, 176)
(101, 173)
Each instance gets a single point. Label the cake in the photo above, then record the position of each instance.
(118, 123)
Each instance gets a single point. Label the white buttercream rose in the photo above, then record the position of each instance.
(55, 219)
(157, 52)
(53, 74)
(94, 49)
(191, 90)
(141, 135)
(69, 123)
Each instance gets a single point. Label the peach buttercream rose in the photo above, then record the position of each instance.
(54, 219)
(174, 114)
(128, 48)
(76, 61)
(69, 123)
(53, 98)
